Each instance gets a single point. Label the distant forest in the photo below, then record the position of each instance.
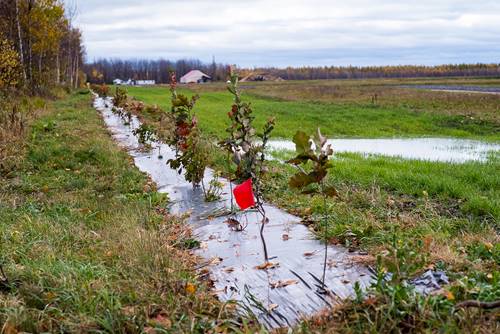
(106, 70)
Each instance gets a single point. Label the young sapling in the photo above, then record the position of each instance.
(313, 162)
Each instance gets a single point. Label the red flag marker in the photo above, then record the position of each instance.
(243, 194)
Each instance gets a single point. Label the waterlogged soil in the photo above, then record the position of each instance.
(279, 296)
(431, 149)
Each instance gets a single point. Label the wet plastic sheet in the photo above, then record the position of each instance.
(278, 297)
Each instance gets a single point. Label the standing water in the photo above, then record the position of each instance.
(431, 149)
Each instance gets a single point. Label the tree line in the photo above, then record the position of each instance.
(39, 46)
(106, 70)
(366, 72)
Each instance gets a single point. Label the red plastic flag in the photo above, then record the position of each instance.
(243, 194)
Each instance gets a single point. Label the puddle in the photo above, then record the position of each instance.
(457, 89)
(231, 257)
(431, 149)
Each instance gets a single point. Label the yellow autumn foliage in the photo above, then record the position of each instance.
(9, 64)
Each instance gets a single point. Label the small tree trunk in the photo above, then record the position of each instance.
(4, 277)
(262, 225)
(19, 36)
(76, 70)
(58, 68)
(262, 211)
(325, 219)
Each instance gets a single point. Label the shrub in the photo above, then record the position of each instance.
(120, 97)
(191, 149)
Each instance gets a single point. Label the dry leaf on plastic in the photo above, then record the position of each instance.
(214, 261)
(267, 265)
(282, 284)
(309, 254)
(272, 307)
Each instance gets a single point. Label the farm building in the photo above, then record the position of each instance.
(143, 82)
(195, 76)
(131, 82)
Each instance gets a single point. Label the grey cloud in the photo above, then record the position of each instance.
(292, 32)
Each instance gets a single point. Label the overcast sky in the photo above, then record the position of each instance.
(293, 32)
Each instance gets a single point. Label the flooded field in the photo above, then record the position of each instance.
(431, 149)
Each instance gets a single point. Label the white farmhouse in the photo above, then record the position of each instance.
(195, 76)
(144, 82)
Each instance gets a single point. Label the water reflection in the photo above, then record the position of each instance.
(431, 149)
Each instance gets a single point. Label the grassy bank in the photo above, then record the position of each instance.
(85, 242)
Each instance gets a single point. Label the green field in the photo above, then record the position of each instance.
(450, 202)
(307, 105)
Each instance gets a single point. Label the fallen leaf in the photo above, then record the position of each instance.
(272, 307)
(370, 301)
(449, 295)
(267, 265)
(346, 281)
(50, 295)
(190, 288)
(309, 254)
(282, 284)
(229, 270)
(214, 261)
(285, 237)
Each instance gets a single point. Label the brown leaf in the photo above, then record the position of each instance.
(190, 288)
(370, 301)
(285, 237)
(267, 265)
(310, 254)
(272, 307)
(229, 270)
(214, 261)
(282, 284)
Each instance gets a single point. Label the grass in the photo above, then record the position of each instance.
(454, 206)
(342, 119)
(86, 242)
